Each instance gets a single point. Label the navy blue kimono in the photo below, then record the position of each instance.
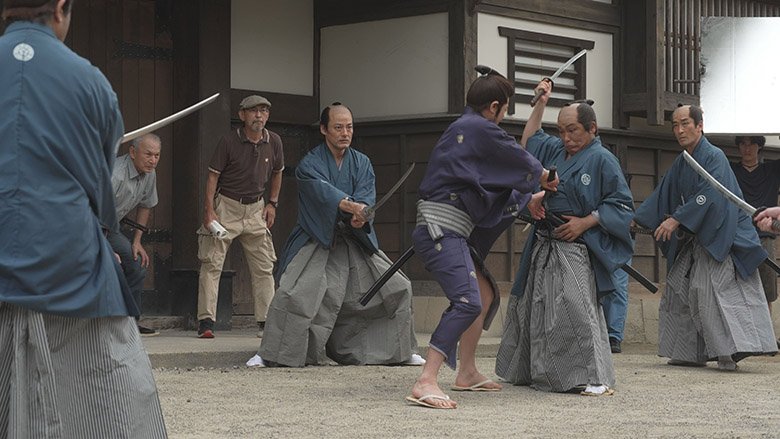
(481, 170)
(720, 226)
(590, 180)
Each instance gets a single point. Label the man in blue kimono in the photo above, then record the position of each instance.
(330, 259)
(555, 337)
(71, 360)
(714, 306)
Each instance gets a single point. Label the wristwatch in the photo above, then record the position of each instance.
(274, 203)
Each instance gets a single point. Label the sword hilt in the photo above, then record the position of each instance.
(539, 92)
(775, 222)
(368, 213)
(135, 225)
(550, 177)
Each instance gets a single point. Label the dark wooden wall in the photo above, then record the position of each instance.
(130, 42)
(151, 52)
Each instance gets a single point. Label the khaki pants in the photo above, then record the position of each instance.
(243, 222)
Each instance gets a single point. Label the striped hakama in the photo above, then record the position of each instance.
(708, 311)
(64, 377)
(555, 337)
(315, 312)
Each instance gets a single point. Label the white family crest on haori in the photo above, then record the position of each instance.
(24, 52)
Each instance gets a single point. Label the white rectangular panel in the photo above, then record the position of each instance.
(740, 77)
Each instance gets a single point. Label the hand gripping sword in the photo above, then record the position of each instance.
(733, 198)
(368, 213)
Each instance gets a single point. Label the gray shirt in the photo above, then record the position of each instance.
(132, 189)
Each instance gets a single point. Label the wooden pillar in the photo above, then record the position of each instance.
(201, 40)
(656, 62)
(463, 52)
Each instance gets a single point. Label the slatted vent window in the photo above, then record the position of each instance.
(536, 55)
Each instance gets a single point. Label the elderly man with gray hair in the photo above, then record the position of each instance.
(135, 187)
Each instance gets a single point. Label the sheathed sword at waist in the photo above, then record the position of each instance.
(556, 221)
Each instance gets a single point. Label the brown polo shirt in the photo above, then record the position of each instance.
(245, 167)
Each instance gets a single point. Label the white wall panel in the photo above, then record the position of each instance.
(395, 67)
(272, 46)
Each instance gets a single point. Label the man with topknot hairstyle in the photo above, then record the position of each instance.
(477, 178)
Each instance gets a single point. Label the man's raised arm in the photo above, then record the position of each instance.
(535, 119)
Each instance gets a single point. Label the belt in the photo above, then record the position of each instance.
(440, 215)
(240, 199)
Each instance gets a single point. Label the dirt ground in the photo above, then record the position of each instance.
(651, 400)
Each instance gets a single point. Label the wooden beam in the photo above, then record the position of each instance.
(337, 12)
(656, 61)
(457, 56)
(566, 10)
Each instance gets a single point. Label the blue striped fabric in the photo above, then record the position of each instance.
(64, 377)
(555, 337)
(708, 310)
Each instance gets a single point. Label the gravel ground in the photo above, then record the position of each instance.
(651, 400)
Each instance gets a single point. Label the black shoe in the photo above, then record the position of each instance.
(614, 346)
(206, 328)
(147, 332)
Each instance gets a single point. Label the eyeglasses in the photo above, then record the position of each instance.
(258, 109)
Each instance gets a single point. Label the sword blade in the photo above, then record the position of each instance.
(561, 69)
(370, 211)
(566, 65)
(167, 120)
(742, 204)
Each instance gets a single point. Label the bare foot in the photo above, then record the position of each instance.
(421, 389)
(475, 381)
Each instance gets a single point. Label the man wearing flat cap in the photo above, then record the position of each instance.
(245, 161)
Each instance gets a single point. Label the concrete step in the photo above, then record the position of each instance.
(183, 349)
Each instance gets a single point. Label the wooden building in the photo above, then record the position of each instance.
(403, 66)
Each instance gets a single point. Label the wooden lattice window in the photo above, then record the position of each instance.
(536, 55)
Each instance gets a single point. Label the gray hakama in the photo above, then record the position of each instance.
(709, 310)
(555, 337)
(315, 312)
(82, 378)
